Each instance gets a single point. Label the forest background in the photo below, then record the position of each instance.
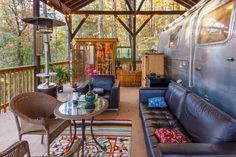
(16, 36)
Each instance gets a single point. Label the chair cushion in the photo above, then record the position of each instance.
(103, 81)
(157, 102)
(156, 118)
(98, 90)
(171, 136)
(106, 95)
(205, 123)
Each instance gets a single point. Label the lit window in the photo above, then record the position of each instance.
(215, 25)
(174, 37)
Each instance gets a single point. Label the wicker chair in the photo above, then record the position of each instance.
(18, 149)
(34, 115)
(21, 148)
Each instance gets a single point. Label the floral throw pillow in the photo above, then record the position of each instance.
(171, 136)
(157, 102)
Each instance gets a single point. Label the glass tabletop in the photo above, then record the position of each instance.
(71, 111)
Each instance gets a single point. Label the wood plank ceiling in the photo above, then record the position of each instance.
(187, 3)
(72, 6)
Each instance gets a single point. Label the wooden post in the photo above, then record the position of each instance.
(69, 36)
(134, 37)
(36, 58)
(134, 43)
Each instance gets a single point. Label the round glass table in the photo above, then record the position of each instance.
(82, 110)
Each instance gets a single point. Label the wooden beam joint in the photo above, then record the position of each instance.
(144, 24)
(129, 5)
(124, 25)
(79, 26)
(140, 6)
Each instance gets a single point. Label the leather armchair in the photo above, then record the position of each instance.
(111, 89)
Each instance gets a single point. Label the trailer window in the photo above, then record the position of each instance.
(174, 37)
(215, 25)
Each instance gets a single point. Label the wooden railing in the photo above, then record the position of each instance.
(16, 80)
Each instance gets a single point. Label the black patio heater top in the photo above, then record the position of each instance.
(45, 26)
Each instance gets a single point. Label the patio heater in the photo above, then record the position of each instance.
(45, 26)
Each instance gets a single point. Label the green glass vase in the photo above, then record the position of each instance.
(90, 96)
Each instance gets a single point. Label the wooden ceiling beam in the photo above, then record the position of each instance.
(76, 3)
(67, 1)
(144, 24)
(85, 3)
(190, 2)
(140, 5)
(194, 1)
(61, 7)
(184, 3)
(124, 25)
(92, 12)
(79, 26)
(129, 5)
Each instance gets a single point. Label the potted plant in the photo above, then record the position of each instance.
(62, 77)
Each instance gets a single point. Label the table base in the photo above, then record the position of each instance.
(83, 129)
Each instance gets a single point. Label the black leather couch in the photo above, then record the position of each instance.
(212, 131)
(111, 89)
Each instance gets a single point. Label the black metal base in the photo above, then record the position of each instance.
(83, 129)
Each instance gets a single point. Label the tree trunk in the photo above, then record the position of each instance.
(100, 20)
(114, 28)
(19, 55)
(150, 25)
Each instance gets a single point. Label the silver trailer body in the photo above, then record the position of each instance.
(200, 50)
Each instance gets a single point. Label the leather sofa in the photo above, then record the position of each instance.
(212, 132)
(111, 89)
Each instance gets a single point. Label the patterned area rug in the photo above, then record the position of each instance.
(115, 135)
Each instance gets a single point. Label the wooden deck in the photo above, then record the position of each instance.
(128, 110)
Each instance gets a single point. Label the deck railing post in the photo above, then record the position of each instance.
(16, 80)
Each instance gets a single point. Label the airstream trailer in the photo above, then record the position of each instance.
(200, 50)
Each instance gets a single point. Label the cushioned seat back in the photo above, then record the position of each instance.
(103, 81)
(174, 97)
(205, 123)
